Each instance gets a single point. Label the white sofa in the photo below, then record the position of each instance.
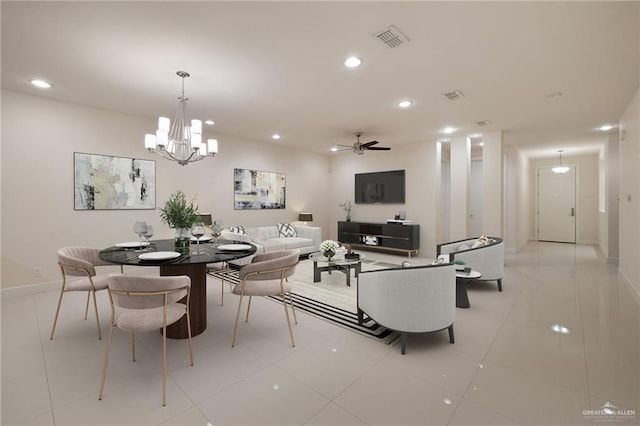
(484, 254)
(419, 299)
(267, 239)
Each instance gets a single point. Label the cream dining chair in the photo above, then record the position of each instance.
(81, 262)
(266, 276)
(147, 304)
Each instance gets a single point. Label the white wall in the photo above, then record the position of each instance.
(518, 189)
(608, 203)
(629, 244)
(586, 195)
(421, 163)
(39, 137)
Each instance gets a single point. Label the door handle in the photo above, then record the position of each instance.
(573, 212)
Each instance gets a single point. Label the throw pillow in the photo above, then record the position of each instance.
(237, 230)
(286, 230)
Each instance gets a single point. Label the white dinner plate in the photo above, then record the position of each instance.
(133, 244)
(235, 247)
(202, 239)
(159, 255)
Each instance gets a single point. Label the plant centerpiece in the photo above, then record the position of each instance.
(180, 214)
(346, 206)
(328, 248)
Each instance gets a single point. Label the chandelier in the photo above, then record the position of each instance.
(180, 141)
(560, 168)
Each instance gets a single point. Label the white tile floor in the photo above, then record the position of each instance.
(506, 367)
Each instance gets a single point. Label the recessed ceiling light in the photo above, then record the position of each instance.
(334, 148)
(480, 143)
(209, 122)
(405, 103)
(444, 140)
(606, 127)
(352, 62)
(476, 135)
(560, 329)
(275, 136)
(448, 130)
(40, 83)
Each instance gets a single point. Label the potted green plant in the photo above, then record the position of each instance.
(459, 264)
(180, 214)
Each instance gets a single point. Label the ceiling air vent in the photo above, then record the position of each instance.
(483, 123)
(454, 95)
(391, 36)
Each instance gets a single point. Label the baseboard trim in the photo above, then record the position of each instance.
(634, 292)
(31, 289)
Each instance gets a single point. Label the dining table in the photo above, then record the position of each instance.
(192, 263)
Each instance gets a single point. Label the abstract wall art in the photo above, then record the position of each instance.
(104, 182)
(257, 190)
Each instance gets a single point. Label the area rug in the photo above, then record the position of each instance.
(330, 299)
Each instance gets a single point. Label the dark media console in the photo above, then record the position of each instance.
(380, 236)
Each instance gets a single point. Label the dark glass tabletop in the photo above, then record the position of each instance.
(209, 253)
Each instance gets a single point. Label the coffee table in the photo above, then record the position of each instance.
(338, 263)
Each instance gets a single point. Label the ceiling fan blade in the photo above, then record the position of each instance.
(368, 144)
(346, 146)
(378, 148)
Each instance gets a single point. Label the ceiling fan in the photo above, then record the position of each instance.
(359, 147)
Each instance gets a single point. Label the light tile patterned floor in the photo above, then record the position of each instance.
(506, 367)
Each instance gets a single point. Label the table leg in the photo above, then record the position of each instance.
(348, 274)
(198, 302)
(316, 272)
(462, 298)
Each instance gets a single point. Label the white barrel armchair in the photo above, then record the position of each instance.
(409, 300)
(484, 254)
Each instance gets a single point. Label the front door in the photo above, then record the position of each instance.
(557, 205)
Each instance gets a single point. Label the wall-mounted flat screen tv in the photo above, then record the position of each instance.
(380, 187)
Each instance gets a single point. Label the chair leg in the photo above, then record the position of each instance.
(451, 337)
(189, 334)
(222, 293)
(500, 284)
(55, 319)
(133, 347)
(86, 308)
(95, 306)
(164, 360)
(235, 328)
(403, 342)
(106, 359)
(293, 308)
(248, 308)
(286, 314)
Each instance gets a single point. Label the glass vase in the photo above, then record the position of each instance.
(182, 240)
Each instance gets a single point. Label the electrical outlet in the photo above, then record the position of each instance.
(37, 272)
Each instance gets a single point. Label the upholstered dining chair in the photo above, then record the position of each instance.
(147, 304)
(81, 262)
(267, 275)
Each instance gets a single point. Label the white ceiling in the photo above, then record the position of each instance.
(264, 67)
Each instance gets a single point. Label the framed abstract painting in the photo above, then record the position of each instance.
(258, 190)
(104, 182)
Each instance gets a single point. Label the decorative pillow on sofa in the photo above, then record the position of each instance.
(286, 230)
(237, 230)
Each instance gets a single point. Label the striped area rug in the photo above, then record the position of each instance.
(330, 299)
